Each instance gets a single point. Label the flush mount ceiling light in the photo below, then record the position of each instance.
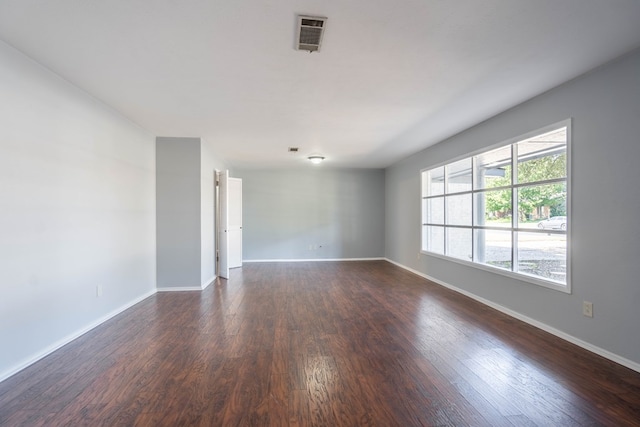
(315, 159)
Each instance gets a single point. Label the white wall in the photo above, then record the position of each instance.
(605, 240)
(77, 210)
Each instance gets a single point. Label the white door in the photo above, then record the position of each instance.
(234, 234)
(223, 224)
(230, 224)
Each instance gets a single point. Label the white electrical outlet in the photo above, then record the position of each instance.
(587, 308)
(99, 290)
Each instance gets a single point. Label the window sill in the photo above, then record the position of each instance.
(522, 277)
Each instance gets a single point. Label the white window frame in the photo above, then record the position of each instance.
(537, 280)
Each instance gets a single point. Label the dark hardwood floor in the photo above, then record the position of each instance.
(323, 344)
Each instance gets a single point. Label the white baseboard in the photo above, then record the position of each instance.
(208, 283)
(66, 340)
(180, 289)
(550, 329)
(202, 287)
(313, 259)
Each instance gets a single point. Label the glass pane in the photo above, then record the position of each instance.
(424, 181)
(493, 247)
(543, 157)
(459, 176)
(459, 210)
(543, 255)
(493, 169)
(435, 182)
(433, 211)
(493, 208)
(433, 239)
(459, 243)
(543, 206)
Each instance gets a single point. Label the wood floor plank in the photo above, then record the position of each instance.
(320, 344)
(278, 400)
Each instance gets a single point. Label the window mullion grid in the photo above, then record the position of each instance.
(444, 209)
(423, 213)
(514, 207)
(541, 182)
(478, 224)
(473, 208)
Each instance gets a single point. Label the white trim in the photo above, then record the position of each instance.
(66, 340)
(314, 259)
(550, 329)
(509, 141)
(180, 289)
(209, 282)
(514, 186)
(504, 272)
(202, 287)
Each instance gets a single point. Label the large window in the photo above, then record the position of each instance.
(505, 209)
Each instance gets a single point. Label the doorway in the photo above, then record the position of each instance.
(228, 223)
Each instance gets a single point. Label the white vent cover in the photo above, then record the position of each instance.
(310, 31)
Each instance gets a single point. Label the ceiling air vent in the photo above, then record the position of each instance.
(310, 31)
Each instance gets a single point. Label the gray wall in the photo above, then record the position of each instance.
(605, 240)
(77, 211)
(338, 213)
(185, 179)
(178, 212)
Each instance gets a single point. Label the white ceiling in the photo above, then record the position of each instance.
(392, 77)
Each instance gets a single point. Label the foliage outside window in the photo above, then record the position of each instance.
(505, 209)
